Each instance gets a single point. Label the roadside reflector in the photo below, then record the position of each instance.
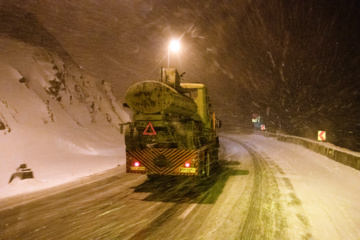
(322, 135)
(149, 130)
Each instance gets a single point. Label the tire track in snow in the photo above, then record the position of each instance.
(275, 211)
(265, 218)
(298, 224)
(250, 228)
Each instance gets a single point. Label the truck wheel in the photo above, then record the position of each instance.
(215, 158)
(191, 135)
(132, 139)
(207, 165)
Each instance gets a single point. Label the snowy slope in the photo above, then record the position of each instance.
(59, 121)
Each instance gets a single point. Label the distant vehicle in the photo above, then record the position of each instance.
(257, 120)
(172, 131)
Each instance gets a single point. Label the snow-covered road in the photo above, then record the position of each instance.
(325, 191)
(264, 189)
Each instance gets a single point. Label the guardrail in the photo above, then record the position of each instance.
(341, 155)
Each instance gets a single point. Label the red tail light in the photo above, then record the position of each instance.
(187, 165)
(136, 164)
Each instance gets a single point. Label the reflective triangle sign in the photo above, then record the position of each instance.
(149, 130)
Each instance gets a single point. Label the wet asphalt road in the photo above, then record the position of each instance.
(244, 199)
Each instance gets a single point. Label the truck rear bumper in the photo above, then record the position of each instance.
(164, 161)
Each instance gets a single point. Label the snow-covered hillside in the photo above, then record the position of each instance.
(54, 117)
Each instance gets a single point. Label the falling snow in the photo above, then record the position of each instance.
(295, 63)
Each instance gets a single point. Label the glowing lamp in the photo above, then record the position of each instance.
(174, 46)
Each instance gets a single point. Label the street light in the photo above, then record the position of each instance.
(174, 46)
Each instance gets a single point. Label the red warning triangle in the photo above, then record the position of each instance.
(150, 131)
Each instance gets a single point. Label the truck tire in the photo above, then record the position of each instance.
(191, 135)
(207, 165)
(129, 139)
(215, 158)
(132, 139)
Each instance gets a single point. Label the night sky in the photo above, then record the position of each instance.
(296, 63)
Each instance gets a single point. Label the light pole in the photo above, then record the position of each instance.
(174, 46)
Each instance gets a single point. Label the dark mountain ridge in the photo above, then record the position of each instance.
(19, 24)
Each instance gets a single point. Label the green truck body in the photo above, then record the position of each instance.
(173, 131)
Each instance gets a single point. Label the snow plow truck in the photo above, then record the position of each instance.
(172, 130)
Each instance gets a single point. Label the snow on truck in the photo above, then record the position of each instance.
(172, 131)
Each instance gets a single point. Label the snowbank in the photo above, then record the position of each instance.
(61, 122)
